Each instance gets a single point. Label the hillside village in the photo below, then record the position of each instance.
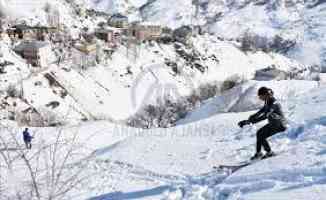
(45, 46)
(117, 31)
(112, 53)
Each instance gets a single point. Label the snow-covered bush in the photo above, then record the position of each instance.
(281, 45)
(193, 98)
(50, 118)
(40, 118)
(208, 90)
(167, 112)
(253, 42)
(47, 7)
(14, 92)
(231, 82)
(164, 114)
(47, 173)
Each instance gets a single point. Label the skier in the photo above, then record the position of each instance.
(27, 138)
(276, 122)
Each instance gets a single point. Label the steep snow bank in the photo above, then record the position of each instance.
(244, 98)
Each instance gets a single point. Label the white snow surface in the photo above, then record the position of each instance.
(231, 101)
(108, 92)
(176, 163)
(295, 20)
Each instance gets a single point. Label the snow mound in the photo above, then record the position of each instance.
(243, 98)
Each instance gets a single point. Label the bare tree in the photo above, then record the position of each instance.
(52, 170)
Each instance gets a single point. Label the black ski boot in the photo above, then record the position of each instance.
(269, 154)
(257, 156)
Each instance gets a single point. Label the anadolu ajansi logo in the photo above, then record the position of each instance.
(158, 87)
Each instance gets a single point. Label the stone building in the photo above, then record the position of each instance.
(145, 31)
(26, 32)
(118, 21)
(85, 54)
(21, 31)
(112, 36)
(36, 53)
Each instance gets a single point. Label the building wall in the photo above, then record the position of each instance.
(41, 57)
(84, 59)
(143, 33)
(118, 23)
(110, 36)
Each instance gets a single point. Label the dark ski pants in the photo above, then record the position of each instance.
(28, 144)
(265, 132)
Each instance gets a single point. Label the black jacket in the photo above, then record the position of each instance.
(27, 136)
(272, 111)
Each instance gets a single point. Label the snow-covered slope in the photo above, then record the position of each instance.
(244, 98)
(176, 163)
(111, 161)
(116, 89)
(111, 87)
(292, 20)
(312, 49)
(113, 6)
(183, 157)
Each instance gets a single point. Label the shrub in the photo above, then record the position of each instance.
(14, 92)
(208, 90)
(231, 83)
(167, 112)
(42, 118)
(253, 42)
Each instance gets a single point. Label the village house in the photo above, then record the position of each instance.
(26, 32)
(112, 36)
(85, 54)
(42, 32)
(145, 31)
(118, 21)
(21, 31)
(54, 19)
(37, 53)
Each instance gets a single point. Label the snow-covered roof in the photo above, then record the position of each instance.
(108, 28)
(149, 24)
(85, 47)
(31, 45)
(118, 16)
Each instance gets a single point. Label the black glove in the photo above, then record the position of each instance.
(243, 123)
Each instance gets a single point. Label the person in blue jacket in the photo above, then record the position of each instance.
(271, 111)
(27, 138)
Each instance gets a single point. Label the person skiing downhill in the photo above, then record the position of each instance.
(276, 122)
(27, 139)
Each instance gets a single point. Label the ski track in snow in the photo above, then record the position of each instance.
(289, 175)
(225, 180)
